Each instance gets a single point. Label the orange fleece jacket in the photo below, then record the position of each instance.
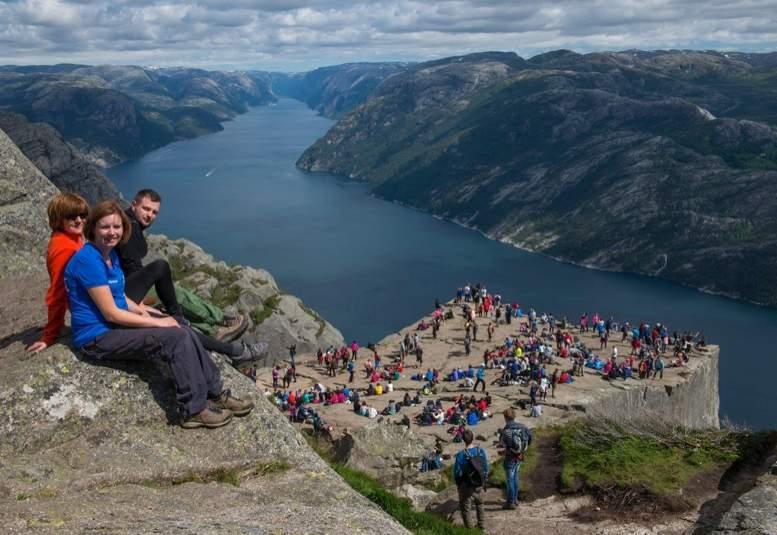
(62, 247)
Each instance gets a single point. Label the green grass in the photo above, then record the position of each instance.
(496, 470)
(230, 476)
(223, 296)
(662, 464)
(316, 317)
(258, 315)
(421, 523)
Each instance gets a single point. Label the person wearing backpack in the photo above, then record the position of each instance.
(514, 441)
(471, 473)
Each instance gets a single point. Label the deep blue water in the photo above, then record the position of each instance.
(371, 267)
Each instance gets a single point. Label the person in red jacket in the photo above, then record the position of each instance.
(67, 214)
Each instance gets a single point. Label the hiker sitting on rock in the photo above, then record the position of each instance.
(108, 325)
(140, 279)
(67, 215)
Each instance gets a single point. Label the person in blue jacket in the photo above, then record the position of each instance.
(470, 491)
(481, 378)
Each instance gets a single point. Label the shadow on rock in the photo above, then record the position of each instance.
(154, 372)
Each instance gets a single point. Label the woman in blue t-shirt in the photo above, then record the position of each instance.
(108, 325)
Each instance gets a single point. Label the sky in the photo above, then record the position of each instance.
(299, 35)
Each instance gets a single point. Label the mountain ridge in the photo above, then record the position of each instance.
(114, 113)
(582, 158)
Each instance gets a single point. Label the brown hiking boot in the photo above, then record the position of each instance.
(236, 406)
(233, 328)
(209, 417)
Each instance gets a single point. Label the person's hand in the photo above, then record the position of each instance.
(37, 347)
(167, 321)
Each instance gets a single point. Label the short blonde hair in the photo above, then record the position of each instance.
(64, 206)
(103, 209)
(509, 414)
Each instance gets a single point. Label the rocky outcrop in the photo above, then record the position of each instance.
(278, 318)
(755, 512)
(692, 401)
(62, 163)
(24, 192)
(388, 452)
(89, 447)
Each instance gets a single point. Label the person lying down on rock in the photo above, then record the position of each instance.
(108, 325)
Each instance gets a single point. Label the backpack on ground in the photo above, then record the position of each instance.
(474, 473)
(518, 439)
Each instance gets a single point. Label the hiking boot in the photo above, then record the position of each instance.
(209, 417)
(233, 328)
(509, 507)
(251, 352)
(231, 404)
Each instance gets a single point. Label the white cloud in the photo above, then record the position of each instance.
(297, 34)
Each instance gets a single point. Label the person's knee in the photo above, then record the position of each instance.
(159, 269)
(174, 336)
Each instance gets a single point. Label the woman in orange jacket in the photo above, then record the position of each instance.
(67, 214)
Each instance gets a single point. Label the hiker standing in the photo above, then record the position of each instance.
(471, 473)
(513, 442)
(481, 378)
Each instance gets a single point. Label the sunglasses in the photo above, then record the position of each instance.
(82, 215)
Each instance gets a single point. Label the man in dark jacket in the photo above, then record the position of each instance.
(139, 279)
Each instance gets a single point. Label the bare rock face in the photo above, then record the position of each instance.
(275, 317)
(388, 452)
(24, 193)
(755, 512)
(62, 163)
(97, 448)
(418, 496)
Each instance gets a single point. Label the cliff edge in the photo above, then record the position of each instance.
(97, 448)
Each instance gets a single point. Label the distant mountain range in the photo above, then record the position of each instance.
(334, 91)
(114, 113)
(57, 159)
(661, 163)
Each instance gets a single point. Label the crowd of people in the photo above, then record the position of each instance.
(539, 354)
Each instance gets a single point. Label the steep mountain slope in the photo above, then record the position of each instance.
(334, 91)
(57, 159)
(608, 160)
(112, 113)
(24, 192)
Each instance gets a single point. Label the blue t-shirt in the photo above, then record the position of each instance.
(86, 270)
